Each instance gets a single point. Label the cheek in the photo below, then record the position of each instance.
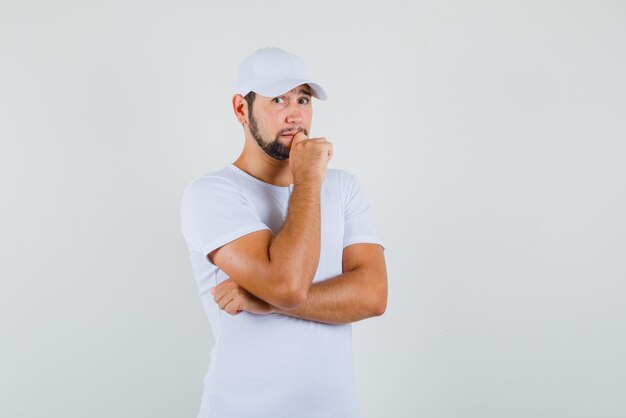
(261, 124)
(268, 121)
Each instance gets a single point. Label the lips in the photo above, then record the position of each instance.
(291, 132)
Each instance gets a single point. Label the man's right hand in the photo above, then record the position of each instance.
(308, 158)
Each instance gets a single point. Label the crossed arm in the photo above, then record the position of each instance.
(274, 274)
(359, 292)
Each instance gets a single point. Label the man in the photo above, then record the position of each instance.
(285, 255)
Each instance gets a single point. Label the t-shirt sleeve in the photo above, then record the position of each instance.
(214, 212)
(359, 223)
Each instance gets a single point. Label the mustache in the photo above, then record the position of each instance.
(290, 131)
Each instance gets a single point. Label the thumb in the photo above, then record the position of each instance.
(298, 137)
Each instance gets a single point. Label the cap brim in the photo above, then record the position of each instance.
(280, 87)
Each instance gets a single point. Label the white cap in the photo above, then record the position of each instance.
(272, 72)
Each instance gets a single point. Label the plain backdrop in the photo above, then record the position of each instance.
(488, 135)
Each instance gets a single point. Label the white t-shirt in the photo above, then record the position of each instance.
(273, 366)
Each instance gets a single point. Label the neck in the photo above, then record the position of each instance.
(254, 161)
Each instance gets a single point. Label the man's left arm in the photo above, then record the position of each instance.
(358, 293)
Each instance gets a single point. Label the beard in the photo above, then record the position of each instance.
(275, 148)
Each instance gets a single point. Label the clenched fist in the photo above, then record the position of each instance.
(309, 157)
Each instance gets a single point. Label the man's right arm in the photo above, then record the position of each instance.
(280, 269)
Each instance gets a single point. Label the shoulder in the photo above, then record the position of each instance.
(342, 180)
(342, 184)
(339, 176)
(212, 182)
(217, 190)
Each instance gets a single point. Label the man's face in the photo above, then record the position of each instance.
(273, 121)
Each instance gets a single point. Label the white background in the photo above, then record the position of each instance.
(488, 135)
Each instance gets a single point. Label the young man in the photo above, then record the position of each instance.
(285, 255)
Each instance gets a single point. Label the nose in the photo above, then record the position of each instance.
(294, 114)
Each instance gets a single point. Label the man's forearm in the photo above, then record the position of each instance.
(349, 297)
(359, 293)
(296, 248)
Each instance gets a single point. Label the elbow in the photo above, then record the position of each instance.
(380, 308)
(379, 303)
(290, 293)
(290, 297)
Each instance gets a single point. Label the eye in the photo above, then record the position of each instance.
(278, 100)
(304, 100)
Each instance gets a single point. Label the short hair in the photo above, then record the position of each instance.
(250, 99)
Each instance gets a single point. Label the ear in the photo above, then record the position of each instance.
(240, 107)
